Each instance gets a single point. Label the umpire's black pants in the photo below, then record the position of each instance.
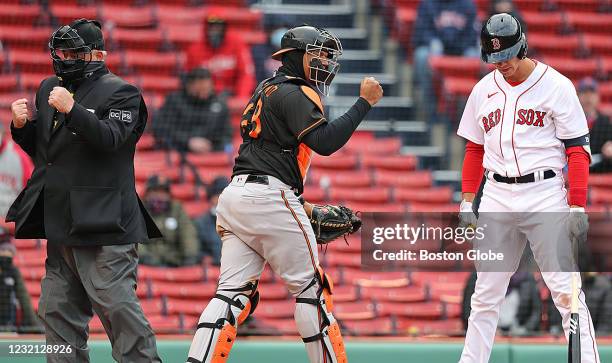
(80, 280)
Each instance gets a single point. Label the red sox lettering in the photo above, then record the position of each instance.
(530, 117)
(493, 119)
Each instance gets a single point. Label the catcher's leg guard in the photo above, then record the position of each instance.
(219, 322)
(317, 325)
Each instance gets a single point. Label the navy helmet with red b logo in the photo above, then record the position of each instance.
(502, 38)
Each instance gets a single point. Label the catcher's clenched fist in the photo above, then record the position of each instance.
(61, 99)
(371, 90)
(19, 109)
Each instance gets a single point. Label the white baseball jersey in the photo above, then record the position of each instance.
(521, 127)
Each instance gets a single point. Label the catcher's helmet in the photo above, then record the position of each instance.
(502, 39)
(77, 39)
(322, 45)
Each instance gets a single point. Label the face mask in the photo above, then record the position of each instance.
(215, 40)
(5, 262)
(157, 206)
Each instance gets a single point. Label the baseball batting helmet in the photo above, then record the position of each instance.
(502, 39)
(319, 43)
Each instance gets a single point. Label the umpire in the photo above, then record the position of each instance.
(81, 197)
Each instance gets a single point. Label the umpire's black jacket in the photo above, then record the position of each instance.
(82, 189)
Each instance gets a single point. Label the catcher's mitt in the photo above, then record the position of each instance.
(330, 222)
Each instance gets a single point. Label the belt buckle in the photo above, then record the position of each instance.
(516, 180)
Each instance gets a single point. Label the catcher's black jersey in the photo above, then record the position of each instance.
(280, 113)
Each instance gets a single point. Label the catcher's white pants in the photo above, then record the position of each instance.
(266, 223)
(510, 205)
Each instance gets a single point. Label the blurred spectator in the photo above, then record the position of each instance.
(444, 27)
(179, 246)
(15, 170)
(507, 6)
(598, 294)
(13, 294)
(264, 64)
(599, 124)
(193, 119)
(521, 309)
(210, 243)
(226, 55)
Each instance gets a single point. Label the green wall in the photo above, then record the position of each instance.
(175, 351)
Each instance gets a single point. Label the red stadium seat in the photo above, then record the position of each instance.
(601, 196)
(196, 291)
(548, 23)
(433, 207)
(31, 81)
(284, 326)
(32, 62)
(160, 84)
(152, 62)
(346, 293)
(138, 38)
(421, 278)
(152, 306)
(382, 146)
(187, 307)
(275, 309)
(377, 207)
(425, 310)
(66, 13)
(600, 180)
(433, 195)
(33, 288)
(590, 22)
(196, 208)
(363, 195)
(314, 194)
(361, 310)
(408, 294)
(397, 162)
(171, 274)
(28, 244)
(573, 68)
(123, 16)
(451, 327)
(373, 327)
(555, 45)
(335, 162)
(453, 86)
(214, 159)
(183, 35)
(33, 273)
(273, 291)
(591, 6)
(402, 179)
(598, 43)
(8, 83)
(375, 279)
(183, 192)
(25, 37)
(19, 14)
(238, 18)
(166, 324)
(340, 178)
(456, 66)
(343, 259)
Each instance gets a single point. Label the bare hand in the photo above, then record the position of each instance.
(61, 99)
(371, 90)
(200, 145)
(19, 109)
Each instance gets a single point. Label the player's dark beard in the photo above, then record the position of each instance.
(293, 64)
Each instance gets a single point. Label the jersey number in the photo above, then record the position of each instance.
(252, 125)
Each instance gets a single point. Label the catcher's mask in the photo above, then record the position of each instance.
(324, 47)
(71, 49)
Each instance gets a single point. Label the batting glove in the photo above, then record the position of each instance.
(578, 225)
(467, 218)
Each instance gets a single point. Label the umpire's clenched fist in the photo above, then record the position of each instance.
(19, 109)
(61, 99)
(371, 90)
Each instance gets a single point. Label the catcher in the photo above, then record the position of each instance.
(261, 216)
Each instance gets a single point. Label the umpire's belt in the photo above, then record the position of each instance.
(529, 178)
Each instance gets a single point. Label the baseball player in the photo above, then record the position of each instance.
(260, 217)
(523, 124)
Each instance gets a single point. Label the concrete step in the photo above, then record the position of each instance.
(430, 157)
(361, 61)
(348, 84)
(352, 38)
(389, 108)
(412, 133)
(326, 16)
